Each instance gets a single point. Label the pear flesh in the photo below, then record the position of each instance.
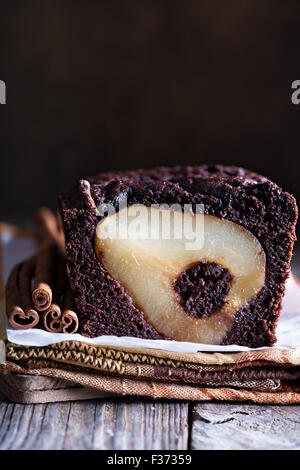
(148, 266)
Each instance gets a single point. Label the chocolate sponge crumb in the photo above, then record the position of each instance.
(202, 288)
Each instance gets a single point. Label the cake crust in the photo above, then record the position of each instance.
(235, 194)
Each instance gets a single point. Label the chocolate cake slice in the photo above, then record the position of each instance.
(136, 270)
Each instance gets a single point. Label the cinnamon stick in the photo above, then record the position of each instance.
(66, 322)
(70, 318)
(52, 247)
(13, 296)
(52, 316)
(25, 278)
(44, 276)
(52, 319)
(49, 229)
(18, 295)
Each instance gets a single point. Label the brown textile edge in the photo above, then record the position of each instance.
(124, 386)
(89, 355)
(247, 377)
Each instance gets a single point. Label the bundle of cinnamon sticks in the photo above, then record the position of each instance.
(38, 292)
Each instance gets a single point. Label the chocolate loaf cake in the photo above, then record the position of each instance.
(133, 275)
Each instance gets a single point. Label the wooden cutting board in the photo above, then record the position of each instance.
(21, 388)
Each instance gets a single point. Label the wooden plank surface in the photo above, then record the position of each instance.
(95, 424)
(127, 424)
(220, 426)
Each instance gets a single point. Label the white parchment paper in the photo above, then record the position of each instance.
(288, 330)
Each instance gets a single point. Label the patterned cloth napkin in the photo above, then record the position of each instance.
(270, 375)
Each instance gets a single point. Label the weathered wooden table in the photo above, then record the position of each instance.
(133, 423)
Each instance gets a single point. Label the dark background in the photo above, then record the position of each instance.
(97, 85)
